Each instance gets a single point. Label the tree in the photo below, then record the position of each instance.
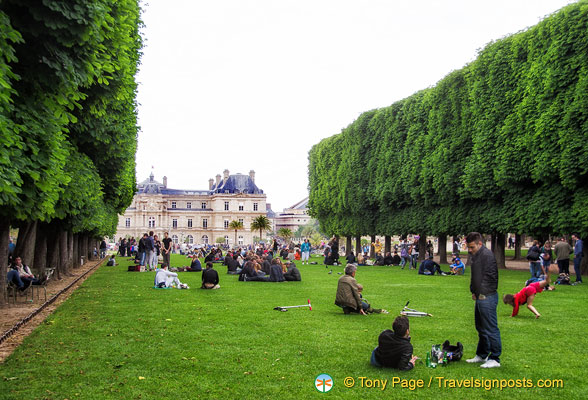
(285, 234)
(236, 225)
(220, 240)
(261, 223)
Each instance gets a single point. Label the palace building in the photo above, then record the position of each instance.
(195, 216)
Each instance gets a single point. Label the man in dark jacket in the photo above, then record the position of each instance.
(394, 349)
(292, 274)
(429, 267)
(210, 277)
(483, 285)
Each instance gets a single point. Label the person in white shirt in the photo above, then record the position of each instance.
(165, 278)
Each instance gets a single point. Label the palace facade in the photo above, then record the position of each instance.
(195, 216)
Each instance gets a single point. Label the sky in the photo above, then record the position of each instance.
(254, 84)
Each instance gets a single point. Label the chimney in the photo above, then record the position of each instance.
(252, 175)
(210, 184)
(165, 181)
(217, 179)
(225, 175)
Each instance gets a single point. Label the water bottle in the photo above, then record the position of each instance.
(428, 360)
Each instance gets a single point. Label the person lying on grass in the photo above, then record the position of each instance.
(369, 309)
(429, 267)
(394, 349)
(165, 279)
(527, 295)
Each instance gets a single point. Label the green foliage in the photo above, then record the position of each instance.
(261, 223)
(68, 111)
(498, 146)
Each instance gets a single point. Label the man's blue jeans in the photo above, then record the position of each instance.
(13, 276)
(373, 360)
(535, 268)
(577, 263)
(489, 344)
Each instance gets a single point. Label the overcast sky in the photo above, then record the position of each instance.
(241, 85)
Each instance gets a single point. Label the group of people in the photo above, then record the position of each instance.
(394, 349)
(541, 257)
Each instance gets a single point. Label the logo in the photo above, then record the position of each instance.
(323, 383)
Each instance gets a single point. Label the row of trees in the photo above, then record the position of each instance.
(497, 146)
(68, 125)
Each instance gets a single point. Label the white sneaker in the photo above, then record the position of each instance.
(490, 364)
(477, 359)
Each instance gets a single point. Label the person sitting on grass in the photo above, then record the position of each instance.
(350, 258)
(388, 259)
(210, 277)
(248, 273)
(379, 259)
(348, 297)
(292, 273)
(526, 295)
(276, 271)
(369, 309)
(361, 260)
(166, 279)
(111, 261)
(457, 267)
(195, 265)
(396, 258)
(394, 348)
(429, 267)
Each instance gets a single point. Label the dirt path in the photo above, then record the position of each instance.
(13, 313)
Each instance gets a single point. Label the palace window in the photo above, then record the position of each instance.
(174, 204)
(189, 204)
(151, 222)
(175, 239)
(241, 221)
(240, 240)
(226, 206)
(226, 224)
(204, 223)
(189, 222)
(255, 207)
(175, 223)
(190, 239)
(226, 239)
(127, 223)
(204, 239)
(240, 206)
(203, 205)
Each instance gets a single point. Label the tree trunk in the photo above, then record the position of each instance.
(358, 245)
(493, 243)
(348, 247)
(70, 251)
(53, 250)
(41, 249)
(25, 244)
(422, 246)
(442, 250)
(76, 251)
(499, 241)
(518, 242)
(4, 241)
(372, 248)
(387, 244)
(63, 264)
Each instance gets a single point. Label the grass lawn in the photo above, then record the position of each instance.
(117, 338)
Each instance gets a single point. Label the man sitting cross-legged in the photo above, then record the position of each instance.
(165, 278)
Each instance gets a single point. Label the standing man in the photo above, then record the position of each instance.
(578, 252)
(562, 253)
(483, 286)
(150, 249)
(167, 248)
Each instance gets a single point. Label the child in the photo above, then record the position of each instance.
(111, 261)
(394, 349)
(526, 295)
(369, 309)
(457, 268)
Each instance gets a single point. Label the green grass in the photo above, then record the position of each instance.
(230, 343)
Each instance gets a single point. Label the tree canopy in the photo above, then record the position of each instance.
(497, 146)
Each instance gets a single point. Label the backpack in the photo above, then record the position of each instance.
(563, 279)
(454, 353)
(533, 254)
